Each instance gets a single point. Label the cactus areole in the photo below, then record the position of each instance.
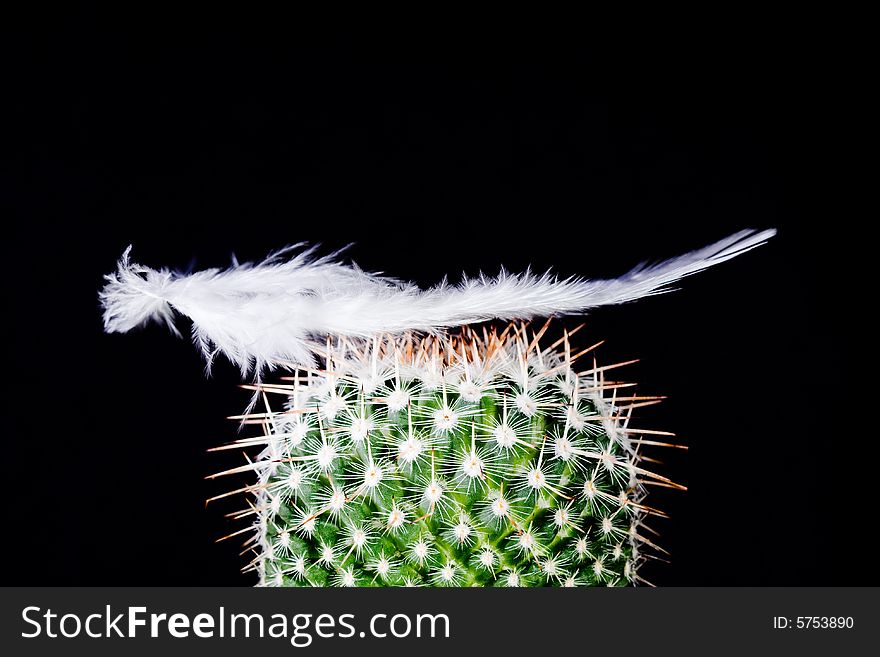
(399, 441)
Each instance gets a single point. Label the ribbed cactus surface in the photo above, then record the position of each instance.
(483, 458)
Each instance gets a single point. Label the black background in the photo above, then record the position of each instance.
(435, 152)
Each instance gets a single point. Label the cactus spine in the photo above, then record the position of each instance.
(477, 459)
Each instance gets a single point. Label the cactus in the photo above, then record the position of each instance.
(476, 459)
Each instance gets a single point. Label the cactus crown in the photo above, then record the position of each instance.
(477, 459)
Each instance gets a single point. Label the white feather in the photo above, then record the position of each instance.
(262, 315)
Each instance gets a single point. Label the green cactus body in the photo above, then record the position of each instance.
(480, 459)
